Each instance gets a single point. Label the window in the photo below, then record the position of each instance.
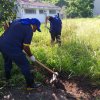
(52, 11)
(30, 11)
(41, 11)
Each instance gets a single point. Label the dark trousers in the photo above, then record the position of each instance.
(21, 61)
(56, 37)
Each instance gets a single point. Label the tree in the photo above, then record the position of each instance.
(7, 10)
(62, 3)
(59, 3)
(80, 8)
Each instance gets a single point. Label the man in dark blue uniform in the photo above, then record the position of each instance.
(55, 28)
(13, 42)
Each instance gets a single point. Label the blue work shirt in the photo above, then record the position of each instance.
(15, 36)
(55, 25)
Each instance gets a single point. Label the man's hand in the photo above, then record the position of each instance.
(32, 58)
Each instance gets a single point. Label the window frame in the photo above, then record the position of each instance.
(52, 11)
(41, 12)
(30, 11)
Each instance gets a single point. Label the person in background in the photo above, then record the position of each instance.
(55, 28)
(14, 46)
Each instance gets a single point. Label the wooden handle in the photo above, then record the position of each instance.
(45, 67)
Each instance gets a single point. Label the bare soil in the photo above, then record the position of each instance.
(69, 89)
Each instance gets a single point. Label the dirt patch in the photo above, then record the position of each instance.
(76, 88)
(70, 89)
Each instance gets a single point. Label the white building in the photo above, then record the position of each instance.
(32, 9)
(96, 10)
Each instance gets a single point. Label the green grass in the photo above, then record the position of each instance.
(80, 50)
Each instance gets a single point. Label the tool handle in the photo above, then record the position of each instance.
(45, 67)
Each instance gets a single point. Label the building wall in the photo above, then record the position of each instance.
(41, 17)
(96, 10)
(21, 14)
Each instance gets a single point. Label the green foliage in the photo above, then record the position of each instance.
(59, 3)
(17, 80)
(39, 77)
(75, 8)
(73, 56)
(7, 10)
(80, 56)
(80, 8)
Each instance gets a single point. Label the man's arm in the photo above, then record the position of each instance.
(28, 52)
(6, 26)
(46, 20)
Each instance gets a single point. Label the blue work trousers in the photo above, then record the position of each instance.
(19, 58)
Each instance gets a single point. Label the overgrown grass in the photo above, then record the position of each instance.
(80, 50)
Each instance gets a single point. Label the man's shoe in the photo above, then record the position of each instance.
(34, 86)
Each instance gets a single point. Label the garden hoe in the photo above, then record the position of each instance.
(55, 74)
